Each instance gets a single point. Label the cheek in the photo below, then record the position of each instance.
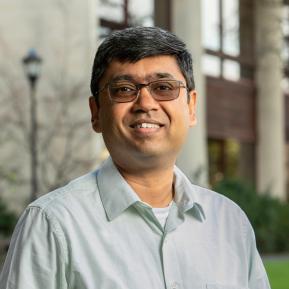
(181, 115)
(113, 117)
(182, 125)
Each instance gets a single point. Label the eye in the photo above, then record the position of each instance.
(163, 86)
(123, 88)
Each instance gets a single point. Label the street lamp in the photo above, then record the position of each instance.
(32, 65)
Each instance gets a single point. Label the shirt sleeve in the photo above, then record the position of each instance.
(35, 258)
(257, 276)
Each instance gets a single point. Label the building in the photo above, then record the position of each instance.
(240, 52)
(64, 34)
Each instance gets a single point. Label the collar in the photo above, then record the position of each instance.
(117, 195)
(187, 196)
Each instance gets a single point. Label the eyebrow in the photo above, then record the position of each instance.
(149, 77)
(122, 77)
(163, 75)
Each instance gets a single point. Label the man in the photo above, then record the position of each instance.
(137, 222)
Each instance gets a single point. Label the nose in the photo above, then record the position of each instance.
(145, 102)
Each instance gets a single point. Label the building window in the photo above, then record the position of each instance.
(119, 14)
(224, 159)
(221, 38)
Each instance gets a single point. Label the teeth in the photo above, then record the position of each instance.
(147, 125)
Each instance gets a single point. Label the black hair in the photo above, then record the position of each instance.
(135, 43)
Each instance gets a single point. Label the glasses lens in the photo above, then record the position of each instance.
(122, 91)
(165, 89)
(161, 90)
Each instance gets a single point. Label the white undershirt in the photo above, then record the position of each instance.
(162, 214)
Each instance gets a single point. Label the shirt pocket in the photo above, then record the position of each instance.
(221, 286)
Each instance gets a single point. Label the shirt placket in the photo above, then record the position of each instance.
(170, 260)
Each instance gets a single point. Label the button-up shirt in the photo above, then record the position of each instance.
(95, 233)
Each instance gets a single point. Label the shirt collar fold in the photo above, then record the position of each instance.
(117, 195)
(186, 197)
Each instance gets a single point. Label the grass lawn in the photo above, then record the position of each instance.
(278, 273)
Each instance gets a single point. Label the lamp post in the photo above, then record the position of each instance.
(32, 65)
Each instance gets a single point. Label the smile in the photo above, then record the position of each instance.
(147, 125)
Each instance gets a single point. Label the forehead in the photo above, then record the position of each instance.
(146, 69)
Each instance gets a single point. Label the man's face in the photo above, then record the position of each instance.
(145, 127)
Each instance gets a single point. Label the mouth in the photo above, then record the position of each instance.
(146, 124)
(146, 127)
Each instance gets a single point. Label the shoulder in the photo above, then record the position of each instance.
(212, 199)
(77, 196)
(220, 210)
(215, 202)
(80, 186)
(211, 202)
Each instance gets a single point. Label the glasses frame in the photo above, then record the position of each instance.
(139, 86)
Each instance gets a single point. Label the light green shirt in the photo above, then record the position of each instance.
(95, 233)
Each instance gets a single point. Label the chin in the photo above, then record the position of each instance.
(149, 153)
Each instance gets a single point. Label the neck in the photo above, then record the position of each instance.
(153, 186)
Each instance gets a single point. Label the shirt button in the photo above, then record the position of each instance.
(175, 285)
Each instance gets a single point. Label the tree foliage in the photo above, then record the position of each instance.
(268, 216)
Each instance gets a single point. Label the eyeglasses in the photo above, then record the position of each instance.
(160, 90)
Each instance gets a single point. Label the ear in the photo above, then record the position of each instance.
(192, 108)
(94, 109)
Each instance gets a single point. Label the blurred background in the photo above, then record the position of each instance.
(240, 146)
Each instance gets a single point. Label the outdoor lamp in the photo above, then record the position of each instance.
(32, 66)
